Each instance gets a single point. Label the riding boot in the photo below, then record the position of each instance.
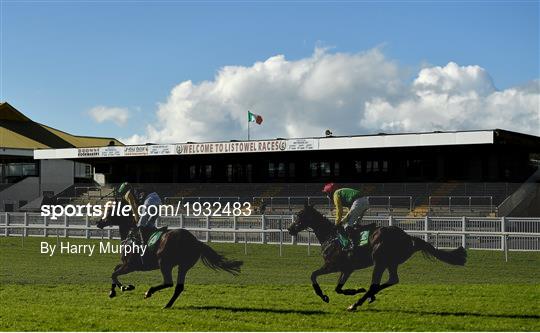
(343, 238)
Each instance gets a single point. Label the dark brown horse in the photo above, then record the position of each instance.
(176, 248)
(388, 248)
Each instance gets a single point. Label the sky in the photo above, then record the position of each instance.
(171, 71)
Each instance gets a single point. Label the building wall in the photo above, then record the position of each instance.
(19, 194)
(56, 176)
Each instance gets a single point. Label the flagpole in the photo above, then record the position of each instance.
(248, 128)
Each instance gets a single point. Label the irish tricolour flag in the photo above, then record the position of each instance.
(254, 118)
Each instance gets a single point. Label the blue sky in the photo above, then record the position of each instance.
(61, 59)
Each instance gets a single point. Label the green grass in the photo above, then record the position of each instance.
(69, 292)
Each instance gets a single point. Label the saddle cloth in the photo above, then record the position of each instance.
(154, 238)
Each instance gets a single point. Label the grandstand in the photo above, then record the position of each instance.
(473, 173)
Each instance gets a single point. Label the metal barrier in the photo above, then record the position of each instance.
(461, 202)
(503, 234)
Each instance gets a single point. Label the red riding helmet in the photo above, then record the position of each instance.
(329, 188)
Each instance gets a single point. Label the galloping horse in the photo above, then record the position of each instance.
(176, 248)
(388, 247)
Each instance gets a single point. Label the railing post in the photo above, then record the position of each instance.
(289, 204)
(280, 242)
(426, 222)
(208, 229)
(181, 221)
(87, 223)
(390, 221)
(503, 229)
(245, 243)
(45, 225)
(234, 229)
(263, 227)
(25, 230)
(309, 243)
(505, 245)
(66, 225)
(463, 238)
(7, 224)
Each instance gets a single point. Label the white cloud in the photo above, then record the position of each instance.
(115, 114)
(358, 93)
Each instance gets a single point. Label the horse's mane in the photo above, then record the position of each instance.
(319, 215)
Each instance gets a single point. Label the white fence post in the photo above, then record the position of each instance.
(87, 223)
(280, 242)
(390, 221)
(503, 229)
(25, 230)
(235, 239)
(463, 227)
(309, 243)
(207, 228)
(66, 225)
(7, 224)
(263, 227)
(426, 222)
(45, 225)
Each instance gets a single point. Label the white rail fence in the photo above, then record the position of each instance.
(503, 233)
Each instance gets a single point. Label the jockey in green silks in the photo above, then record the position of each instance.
(352, 199)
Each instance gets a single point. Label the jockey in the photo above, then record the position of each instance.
(352, 199)
(141, 199)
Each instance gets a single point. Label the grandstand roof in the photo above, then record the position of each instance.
(17, 131)
(381, 140)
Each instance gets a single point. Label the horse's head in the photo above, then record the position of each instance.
(306, 218)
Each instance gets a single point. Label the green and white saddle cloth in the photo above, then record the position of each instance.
(154, 238)
(364, 238)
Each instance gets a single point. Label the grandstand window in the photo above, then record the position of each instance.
(229, 172)
(271, 169)
(249, 172)
(369, 166)
(358, 166)
(313, 166)
(325, 169)
(292, 170)
(192, 172)
(375, 166)
(384, 166)
(83, 170)
(336, 168)
(208, 171)
(281, 170)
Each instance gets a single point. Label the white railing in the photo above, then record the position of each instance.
(503, 234)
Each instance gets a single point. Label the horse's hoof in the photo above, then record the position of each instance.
(147, 294)
(128, 287)
(168, 306)
(351, 308)
(372, 299)
(325, 298)
(112, 293)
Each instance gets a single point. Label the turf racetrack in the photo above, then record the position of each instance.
(69, 292)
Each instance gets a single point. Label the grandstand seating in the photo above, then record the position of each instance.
(398, 199)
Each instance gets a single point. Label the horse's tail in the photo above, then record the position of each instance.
(215, 261)
(453, 257)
